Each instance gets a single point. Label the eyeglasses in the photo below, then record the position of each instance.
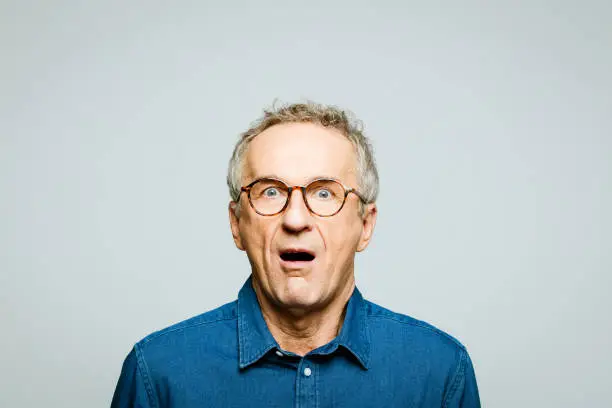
(323, 197)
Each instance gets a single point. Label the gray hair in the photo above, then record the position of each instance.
(310, 112)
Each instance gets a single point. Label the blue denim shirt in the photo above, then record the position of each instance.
(228, 358)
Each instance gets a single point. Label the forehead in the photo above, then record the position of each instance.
(300, 152)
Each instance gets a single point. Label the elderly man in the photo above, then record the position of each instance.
(303, 186)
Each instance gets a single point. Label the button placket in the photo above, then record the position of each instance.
(306, 395)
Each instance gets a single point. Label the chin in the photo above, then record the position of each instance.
(299, 292)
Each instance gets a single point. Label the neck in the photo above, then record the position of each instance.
(303, 330)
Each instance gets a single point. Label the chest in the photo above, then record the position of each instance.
(302, 383)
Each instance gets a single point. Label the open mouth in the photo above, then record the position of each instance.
(297, 256)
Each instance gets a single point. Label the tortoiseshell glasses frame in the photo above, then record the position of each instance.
(304, 189)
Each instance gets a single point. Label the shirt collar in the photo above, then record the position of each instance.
(355, 335)
(255, 339)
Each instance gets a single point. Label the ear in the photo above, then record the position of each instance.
(234, 224)
(369, 222)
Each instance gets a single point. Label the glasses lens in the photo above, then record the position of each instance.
(325, 197)
(268, 196)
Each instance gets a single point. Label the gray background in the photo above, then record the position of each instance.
(492, 124)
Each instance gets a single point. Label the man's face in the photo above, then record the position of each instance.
(298, 153)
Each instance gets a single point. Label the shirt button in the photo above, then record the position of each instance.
(307, 371)
(278, 353)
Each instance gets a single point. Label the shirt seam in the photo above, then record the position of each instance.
(457, 379)
(316, 384)
(423, 326)
(168, 331)
(144, 372)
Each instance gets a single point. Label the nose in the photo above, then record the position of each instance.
(297, 217)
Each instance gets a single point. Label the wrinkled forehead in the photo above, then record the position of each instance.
(300, 152)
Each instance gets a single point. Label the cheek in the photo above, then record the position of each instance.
(343, 236)
(257, 236)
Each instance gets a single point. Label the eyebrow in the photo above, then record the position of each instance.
(274, 176)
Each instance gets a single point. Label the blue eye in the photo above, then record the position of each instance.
(324, 194)
(270, 192)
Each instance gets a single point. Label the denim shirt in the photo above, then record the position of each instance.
(228, 358)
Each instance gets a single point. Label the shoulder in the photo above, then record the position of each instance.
(161, 361)
(408, 329)
(219, 322)
(422, 351)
